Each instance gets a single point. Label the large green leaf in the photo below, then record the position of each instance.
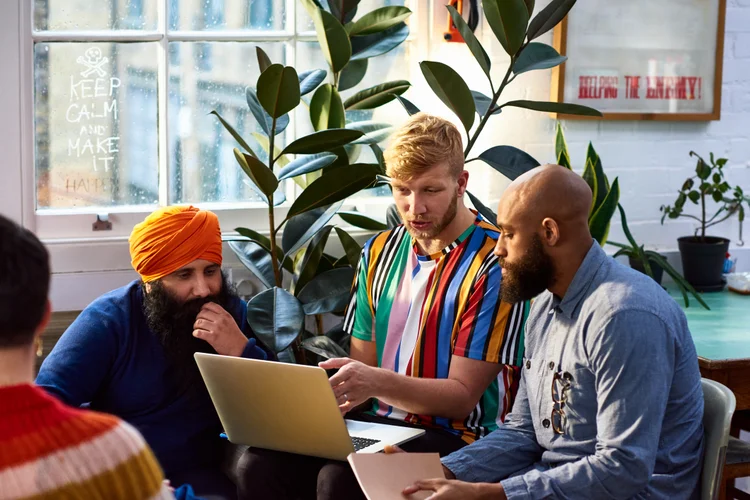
(379, 20)
(326, 109)
(352, 74)
(589, 175)
(334, 186)
(255, 258)
(301, 228)
(561, 148)
(601, 178)
(600, 221)
(278, 90)
(555, 107)
(549, 17)
(537, 56)
(509, 161)
(508, 20)
(325, 140)
(263, 60)
(255, 236)
(375, 132)
(410, 108)
(324, 347)
(312, 258)
(309, 80)
(260, 174)
(276, 317)
(362, 221)
(233, 132)
(343, 10)
(333, 39)
(378, 156)
(327, 292)
(471, 41)
(529, 6)
(376, 96)
(364, 47)
(306, 164)
(488, 214)
(482, 103)
(351, 247)
(451, 89)
(264, 119)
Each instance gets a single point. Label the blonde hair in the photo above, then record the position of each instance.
(421, 143)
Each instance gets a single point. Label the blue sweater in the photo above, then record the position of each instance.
(110, 360)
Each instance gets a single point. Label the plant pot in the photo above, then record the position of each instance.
(703, 261)
(656, 269)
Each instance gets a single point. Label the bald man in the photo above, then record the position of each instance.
(130, 353)
(610, 402)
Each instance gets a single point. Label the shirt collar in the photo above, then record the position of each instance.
(581, 281)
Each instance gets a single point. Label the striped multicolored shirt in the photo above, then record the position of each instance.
(48, 450)
(422, 310)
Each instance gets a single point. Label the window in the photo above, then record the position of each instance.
(122, 91)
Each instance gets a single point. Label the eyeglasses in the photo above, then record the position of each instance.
(560, 387)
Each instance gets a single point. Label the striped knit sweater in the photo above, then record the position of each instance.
(48, 450)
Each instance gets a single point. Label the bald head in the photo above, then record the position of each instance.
(549, 191)
(543, 216)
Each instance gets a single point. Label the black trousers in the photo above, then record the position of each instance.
(274, 475)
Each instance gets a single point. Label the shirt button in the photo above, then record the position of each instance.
(528, 365)
(545, 423)
(551, 365)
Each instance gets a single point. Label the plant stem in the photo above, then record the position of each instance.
(490, 108)
(271, 223)
(703, 216)
(319, 324)
(336, 77)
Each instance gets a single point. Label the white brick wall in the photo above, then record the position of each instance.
(651, 159)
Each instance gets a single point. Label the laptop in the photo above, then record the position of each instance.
(288, 407)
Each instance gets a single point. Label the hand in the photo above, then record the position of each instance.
(168, 485)
(447, 489)
(353, 384)
(217, 327)
(392, 448)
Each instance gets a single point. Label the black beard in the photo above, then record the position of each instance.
(172, 322)
(530, 276)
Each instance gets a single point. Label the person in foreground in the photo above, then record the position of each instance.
(610, 402)
(431, 341)
(130, 353)
(48, 450)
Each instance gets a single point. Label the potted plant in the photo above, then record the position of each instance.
(652, 263)
(703, 256)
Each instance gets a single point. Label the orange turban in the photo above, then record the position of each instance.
(172, 237)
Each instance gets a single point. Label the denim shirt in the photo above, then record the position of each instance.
(633, 404)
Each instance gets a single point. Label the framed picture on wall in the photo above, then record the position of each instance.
(641, 59)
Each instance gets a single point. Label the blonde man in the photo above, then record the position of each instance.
(432, 344)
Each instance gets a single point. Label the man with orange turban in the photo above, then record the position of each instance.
(130, 352)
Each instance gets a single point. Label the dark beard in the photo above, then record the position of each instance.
(530, 276)
(172, 322)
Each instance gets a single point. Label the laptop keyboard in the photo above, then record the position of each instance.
(361, 443)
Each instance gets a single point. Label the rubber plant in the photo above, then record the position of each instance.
(299, 277)
(515, 30)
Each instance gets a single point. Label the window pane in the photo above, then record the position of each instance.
(95, 15)
(207, 76)
(227, 14)
(95, 124)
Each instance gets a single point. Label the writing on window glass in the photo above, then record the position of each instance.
(93, 107)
